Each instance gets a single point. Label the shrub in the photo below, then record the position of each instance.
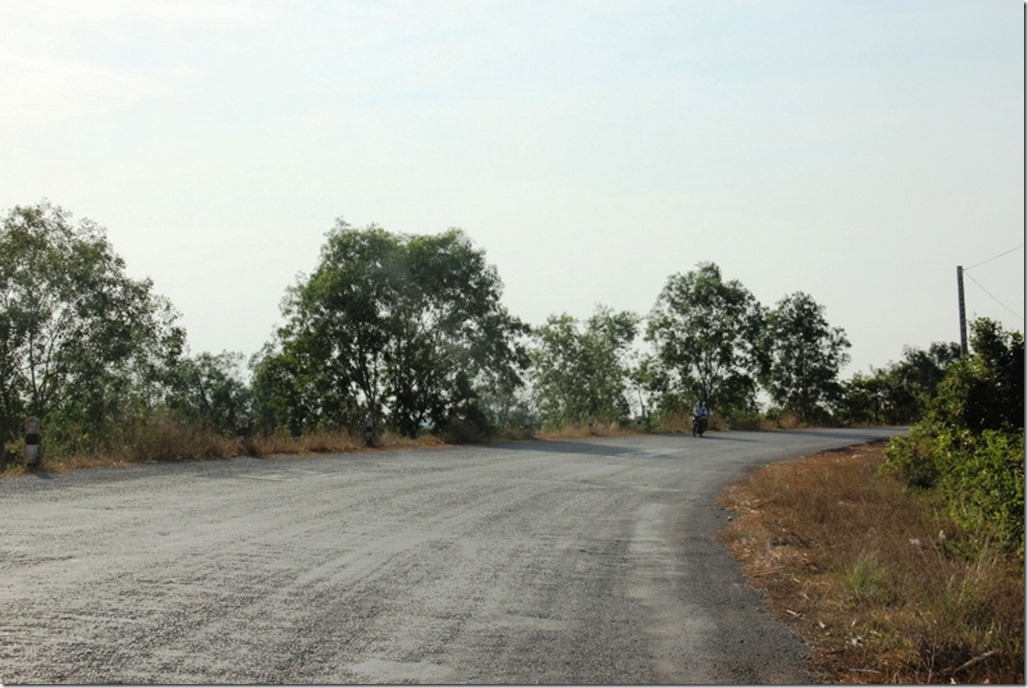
(969, 449)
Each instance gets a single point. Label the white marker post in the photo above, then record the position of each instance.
(33, 453)
(243, 425)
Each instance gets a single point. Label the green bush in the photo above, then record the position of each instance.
(912, 458)
(969, 450)
(987, 486)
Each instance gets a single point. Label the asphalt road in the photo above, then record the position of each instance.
(586, 562)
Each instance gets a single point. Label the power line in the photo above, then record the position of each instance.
(994, 258)
(1018, 315)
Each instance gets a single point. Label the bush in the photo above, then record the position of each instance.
(987, 486)
(740, 420)
(464, 431)
(913, 459)
(969, 449)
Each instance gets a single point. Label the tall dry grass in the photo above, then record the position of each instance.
(884, 589)
(569, 432)
(163, 437)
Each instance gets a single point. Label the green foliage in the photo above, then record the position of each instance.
(580, 375)
(988, 486)
(986, 390)
(404, 331)
(803, 357)
(917, 458)
(913, 382)
(82, 345)
(900, 392)
(979, 478)
(508, 408)
(210, 391)
(864, 399)
(969, 449)
(866, 579)
(706, 334)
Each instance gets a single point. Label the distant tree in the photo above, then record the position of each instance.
(508, 407)
(281, 393)
(804, 356)
(81, 343)
(650, 384)
(389, 329)
(900, 392)
(705, 332)
(210, 390)
(328, 367)
(864, 399)
(455, 337)
(580, 373)
(914, 380)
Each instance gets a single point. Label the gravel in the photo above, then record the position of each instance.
(582, 562)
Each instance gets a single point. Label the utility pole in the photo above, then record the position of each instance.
(963, 316)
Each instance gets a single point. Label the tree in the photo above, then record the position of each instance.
(969, 447)
(327, 368)
(580, 375)
(914, 380)
(389, 329)
(900, 392)
(452, 337)
(81, 343)
(864, 399)
(985, 391)
(804, 356)
(210, 390)
(705, 333)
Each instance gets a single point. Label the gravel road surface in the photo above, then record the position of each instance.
(585, 562)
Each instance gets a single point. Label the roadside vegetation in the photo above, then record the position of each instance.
(881, 583)
(900, 565)
(904, 562)
(404, 336)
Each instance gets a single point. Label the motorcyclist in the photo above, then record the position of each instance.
(700, 411)
(700, 415)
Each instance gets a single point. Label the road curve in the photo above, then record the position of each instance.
(584, 562)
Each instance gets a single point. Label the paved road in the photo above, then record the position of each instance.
(537, 562)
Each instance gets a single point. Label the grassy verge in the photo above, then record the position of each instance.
(571, 432)
(882, 588)
(163, 440)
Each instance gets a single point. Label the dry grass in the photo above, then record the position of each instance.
(163, 439)
(882, 588)
(331, 443)
(571, 432)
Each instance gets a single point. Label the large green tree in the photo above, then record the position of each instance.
(804, 355)
(390, 329)
(705, 331)
(580, 374)
(81, 344)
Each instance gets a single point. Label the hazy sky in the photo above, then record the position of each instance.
(857, 151)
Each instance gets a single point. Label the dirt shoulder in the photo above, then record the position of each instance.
(878, 585)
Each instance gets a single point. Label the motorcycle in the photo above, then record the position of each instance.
(699, 426)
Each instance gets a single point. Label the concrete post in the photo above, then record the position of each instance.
(243, 426)
(33, 452)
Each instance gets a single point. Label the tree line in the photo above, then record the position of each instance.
(408, 333)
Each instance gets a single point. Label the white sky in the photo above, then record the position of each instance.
(857, 151)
